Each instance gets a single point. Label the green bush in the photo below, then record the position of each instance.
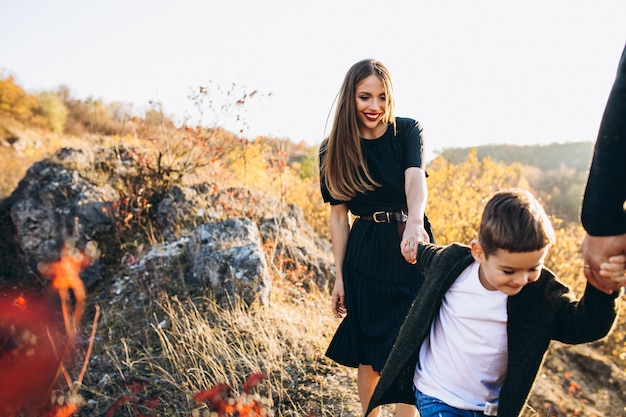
(51, 107)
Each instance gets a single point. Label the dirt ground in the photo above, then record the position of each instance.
(578, 381)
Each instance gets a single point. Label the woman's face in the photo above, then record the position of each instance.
(371, 102)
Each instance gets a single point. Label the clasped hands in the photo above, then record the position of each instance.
(605, 261)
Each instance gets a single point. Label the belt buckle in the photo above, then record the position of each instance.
(385, 220)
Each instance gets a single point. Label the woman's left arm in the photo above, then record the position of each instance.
(416, 196)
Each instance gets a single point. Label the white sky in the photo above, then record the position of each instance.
(473, 72)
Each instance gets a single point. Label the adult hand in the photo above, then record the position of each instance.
(338, 304)
(596, 251)
(410, 238)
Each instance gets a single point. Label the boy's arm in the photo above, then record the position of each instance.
(443, 261)
(425, 255)
(588, 319)
(595, 313)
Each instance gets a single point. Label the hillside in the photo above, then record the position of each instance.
(557, 171)
(161, 337)
(151, 323)
(553, 156)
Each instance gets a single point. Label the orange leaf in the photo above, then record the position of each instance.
(19, 302)
(65, 411)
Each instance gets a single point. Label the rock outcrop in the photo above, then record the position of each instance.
(205, 238)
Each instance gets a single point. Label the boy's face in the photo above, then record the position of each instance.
(506, 271)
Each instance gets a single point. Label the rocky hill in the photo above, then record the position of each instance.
(216, 248)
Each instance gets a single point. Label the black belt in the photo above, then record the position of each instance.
(386, 217)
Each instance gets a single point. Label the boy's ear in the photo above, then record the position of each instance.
(477, 251)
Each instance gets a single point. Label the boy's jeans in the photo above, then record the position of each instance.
(432, 407)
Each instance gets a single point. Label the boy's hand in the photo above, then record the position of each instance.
(615, 269)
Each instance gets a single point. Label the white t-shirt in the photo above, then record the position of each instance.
(463, 360)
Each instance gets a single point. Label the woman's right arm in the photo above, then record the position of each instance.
(339, 229)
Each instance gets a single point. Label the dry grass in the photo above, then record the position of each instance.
(200, 344)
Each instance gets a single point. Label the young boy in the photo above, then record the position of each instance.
(479, 328)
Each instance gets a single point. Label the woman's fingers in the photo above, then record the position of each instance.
(408, 248)
(338, 307)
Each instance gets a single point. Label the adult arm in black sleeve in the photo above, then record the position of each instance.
(604, 203)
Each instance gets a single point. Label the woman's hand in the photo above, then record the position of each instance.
(409, 251)
(338, 304)
(410, 238)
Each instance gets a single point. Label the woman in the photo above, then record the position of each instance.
(371, 165)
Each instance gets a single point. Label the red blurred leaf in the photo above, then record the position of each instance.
(252, 382)
(214, 397)
(117, 404)
(30, 337)
(218, 391)
(153, 403)
(136, 387)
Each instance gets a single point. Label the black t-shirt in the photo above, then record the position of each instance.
(387, 158)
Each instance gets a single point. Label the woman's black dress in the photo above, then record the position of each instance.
(379, 284)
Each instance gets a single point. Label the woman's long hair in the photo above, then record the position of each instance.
(344, 168)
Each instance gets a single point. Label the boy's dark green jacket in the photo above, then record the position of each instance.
(543, 311)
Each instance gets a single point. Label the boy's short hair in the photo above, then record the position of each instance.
(514, 220)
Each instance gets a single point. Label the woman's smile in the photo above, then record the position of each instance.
(371, 104)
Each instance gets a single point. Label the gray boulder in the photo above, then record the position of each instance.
(228, 258)
(52, 204)
(213, 240)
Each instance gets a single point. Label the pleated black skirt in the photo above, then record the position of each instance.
(379, 289)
